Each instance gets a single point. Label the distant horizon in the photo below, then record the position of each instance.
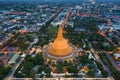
(7, 2)
(57, 0)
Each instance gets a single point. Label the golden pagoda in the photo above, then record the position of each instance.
(60, 47)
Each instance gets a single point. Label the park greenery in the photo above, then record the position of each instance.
(99, 42)
(28, 65)
(88, 23)
(4, 71)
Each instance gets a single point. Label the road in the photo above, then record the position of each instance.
(61, 78)
(97, 57)
(116, 37)
(109, 40)
(99, 60)
(113, 62)
(34, 42)
(12, 71)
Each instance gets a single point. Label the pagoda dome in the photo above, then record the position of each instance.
(60, 46)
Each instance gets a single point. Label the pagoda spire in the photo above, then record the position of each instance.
(61, 26)
(60, 32)
(60, 47)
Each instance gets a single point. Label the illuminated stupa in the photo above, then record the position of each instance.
(60, 47)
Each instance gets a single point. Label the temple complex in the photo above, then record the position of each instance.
(60, 48)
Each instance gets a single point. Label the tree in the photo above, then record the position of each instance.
(4, 71)
(40, 69)
(52, 30)
(72, 69)
(46, 69)
(66, 76)
(60, 66)
(39, 59)
(91, 73)
(99, 65)
(28, 67)
(83, 59)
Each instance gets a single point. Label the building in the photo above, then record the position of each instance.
(59, 49)
(13, 59)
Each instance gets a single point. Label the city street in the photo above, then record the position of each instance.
(99, 60)
(12, 71)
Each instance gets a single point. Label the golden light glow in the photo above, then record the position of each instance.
(118, 48)
(85, 69)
